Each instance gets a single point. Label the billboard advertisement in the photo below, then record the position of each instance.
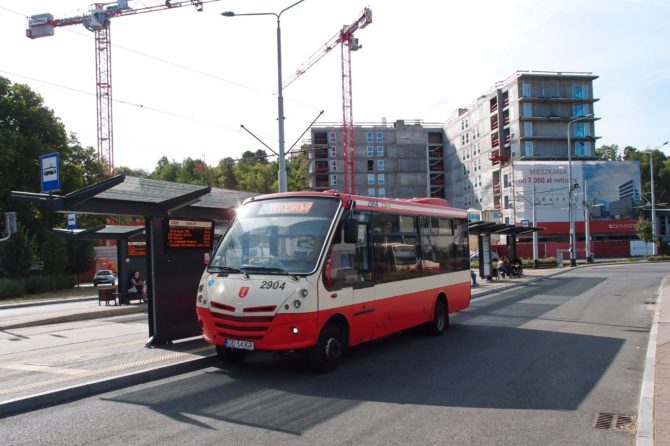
(610, 190)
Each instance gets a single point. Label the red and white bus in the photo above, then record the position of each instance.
(322, 271)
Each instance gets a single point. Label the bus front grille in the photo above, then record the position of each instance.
(241, 327)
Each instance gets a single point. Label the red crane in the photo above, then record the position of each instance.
(348, 43)
(97, 20)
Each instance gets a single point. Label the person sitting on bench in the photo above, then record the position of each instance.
(137, 285)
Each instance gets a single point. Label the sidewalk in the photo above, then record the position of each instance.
(95, 349)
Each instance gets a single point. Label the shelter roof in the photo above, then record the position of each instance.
(103, 232)
(125, 195)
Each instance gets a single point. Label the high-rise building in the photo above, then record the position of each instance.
(525, 117)
(401, 160)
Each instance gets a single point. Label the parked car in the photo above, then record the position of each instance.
(104, 276)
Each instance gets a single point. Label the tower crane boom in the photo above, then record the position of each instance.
(348, 43)
(97, 20)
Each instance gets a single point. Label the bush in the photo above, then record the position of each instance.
(41, 284)
(10, 288)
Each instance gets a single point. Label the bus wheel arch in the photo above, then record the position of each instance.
(440, 322)
(327, 353)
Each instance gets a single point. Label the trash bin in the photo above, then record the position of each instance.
(559, 258)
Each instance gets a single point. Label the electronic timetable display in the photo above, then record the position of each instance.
(137, 249)
(189, 234)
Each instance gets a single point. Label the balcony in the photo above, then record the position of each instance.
(494, 122)
(436, 180)
(320, 153)
(495, 141)
(494, 105)
(436, 166)
(499, 156)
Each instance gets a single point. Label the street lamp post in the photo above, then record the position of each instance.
(280, 97)
(571, 187)
(653, 201)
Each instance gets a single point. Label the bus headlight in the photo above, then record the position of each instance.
(297, 303)
(304, 292)
(202, 300)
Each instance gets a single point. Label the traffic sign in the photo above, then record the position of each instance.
(50, 172)
(524, 223)
(72, 221)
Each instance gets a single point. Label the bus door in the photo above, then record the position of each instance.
(349, 276)
(363, 316)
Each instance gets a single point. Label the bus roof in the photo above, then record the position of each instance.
(422, 206)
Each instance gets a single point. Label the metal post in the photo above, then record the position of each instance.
(280, 96)
(280, 115)
(653, 205)
(653, 201)
(536, 261)
(573, 257)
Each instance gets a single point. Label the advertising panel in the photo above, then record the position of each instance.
(610, 190)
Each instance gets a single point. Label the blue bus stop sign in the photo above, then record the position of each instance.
(50, 172)
(71, 221)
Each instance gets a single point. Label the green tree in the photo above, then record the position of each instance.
(644, 232)
(165, 170)
(28, 129)
(140, 173)
(297, 173)
(224, 174)
(608, 153)
(18, 255)
(80, 256)
(53, 254)
(255, 176)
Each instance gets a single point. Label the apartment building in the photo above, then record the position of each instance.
(525, 117)
(404, 159)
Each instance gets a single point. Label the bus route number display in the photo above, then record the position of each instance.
(188, 234)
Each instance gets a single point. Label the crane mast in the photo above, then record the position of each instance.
(348, 43)
(97, 20)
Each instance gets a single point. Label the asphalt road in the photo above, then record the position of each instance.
(534, 365)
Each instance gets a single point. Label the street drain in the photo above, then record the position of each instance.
(612, 421)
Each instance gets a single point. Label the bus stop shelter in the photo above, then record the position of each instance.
(130, 247)
(484, 229)
(179, 227)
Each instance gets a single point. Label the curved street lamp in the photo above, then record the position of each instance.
(280, 97)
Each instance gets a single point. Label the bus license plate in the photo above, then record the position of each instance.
(241, 345)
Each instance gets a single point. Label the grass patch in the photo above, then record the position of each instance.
(51, 295)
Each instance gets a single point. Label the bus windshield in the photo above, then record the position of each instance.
(276, 236)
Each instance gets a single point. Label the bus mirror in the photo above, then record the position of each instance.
(350, 230)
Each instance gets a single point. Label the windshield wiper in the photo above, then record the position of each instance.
(227, 269)
(266, 269)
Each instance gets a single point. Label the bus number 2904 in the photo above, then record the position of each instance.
(272, 285)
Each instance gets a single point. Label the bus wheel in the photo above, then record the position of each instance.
(326, 355)
(440, 320)
(231, 355)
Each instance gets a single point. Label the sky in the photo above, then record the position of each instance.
(184, 81)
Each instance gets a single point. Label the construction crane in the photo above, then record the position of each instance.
(348, 43)
(97, 20)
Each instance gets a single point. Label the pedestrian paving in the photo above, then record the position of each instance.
(62, 351)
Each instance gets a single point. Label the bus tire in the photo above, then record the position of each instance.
(440, 321)
(231, 355)
(327, 353)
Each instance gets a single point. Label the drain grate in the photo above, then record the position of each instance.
(612, 421)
